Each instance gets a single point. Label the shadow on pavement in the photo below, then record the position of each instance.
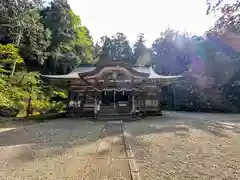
(179, 122)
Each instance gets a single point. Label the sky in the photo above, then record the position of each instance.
(131, 17)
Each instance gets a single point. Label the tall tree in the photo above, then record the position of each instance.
(117, 48)
(20, 24)
(224, 37)
(229, 14)
(140, 50)
(71, 43)
(167, 55)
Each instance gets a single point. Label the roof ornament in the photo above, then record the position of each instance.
(114, 75)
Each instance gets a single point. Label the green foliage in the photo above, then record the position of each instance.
(71, 43)
(24, 91)
(51, 39)
(9, 54)
(8, 94)
(48, 39)
(20, 24)
(59, 93)
(82, 41)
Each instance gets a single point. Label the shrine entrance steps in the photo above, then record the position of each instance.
(117, 117)
(109, 112)
(113, 109)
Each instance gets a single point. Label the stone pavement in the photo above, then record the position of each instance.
(110, 161)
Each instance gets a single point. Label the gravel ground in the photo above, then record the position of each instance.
(63, 149)
(187, 146)
(53, 150)
(177, 146)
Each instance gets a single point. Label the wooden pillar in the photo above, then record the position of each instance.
(69, 99)
(75, 99)
(95, 105)
(144, 102)
(78, 100)
(100, 99)
(158, 98)
(70, 103)
(82, 102)
(114, 99)
(133, 103)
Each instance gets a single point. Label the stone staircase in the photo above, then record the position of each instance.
(108, 112)
(107, 109)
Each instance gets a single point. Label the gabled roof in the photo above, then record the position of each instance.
(149, 71)
(73, 74)
(153, 74)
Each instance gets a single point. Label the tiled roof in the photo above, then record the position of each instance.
(153, 74)
(146, 70)
(73, 74)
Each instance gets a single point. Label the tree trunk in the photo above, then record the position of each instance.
(18, 44)
(29, 103)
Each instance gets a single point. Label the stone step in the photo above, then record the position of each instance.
(115, 114)
(117, 117)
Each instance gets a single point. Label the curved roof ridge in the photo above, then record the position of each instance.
(153, 75)
(73, 74)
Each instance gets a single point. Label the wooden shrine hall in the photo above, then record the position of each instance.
(113, 88)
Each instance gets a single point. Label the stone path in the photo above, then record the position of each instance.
(110, 161)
